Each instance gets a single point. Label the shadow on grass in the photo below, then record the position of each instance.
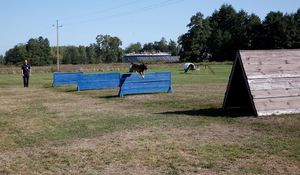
(60, 89)
(65, 88)
(110, 96)
(213, 112)
(132, 95)
(187, 73)
(70, 90)
(47, 86)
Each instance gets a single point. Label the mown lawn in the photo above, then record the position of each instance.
(60, 131)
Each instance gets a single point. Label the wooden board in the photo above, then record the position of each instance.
(284, 103)
(267, 69)
(278, 112)
(276, 75)
(270, 57)
(273, 79)
(99, 81)
(66, 78)
(152, 83)
(275, 85)
(275, 93)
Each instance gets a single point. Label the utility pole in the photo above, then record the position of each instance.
(57, 44)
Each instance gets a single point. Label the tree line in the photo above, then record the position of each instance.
(220, 35)
(216, 37)
(36, 50)
(106, 49)
(153, 47)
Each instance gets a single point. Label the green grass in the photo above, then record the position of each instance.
(46, 130)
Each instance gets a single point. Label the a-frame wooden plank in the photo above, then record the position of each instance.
(238, 94)
(268, 79)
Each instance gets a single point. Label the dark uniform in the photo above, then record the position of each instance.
(26, 73)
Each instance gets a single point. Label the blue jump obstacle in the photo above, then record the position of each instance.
(66, 78)
(98, 81)
(152, 83)
(128, 83)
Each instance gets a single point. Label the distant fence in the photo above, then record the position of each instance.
(66, 78)
(98, 81)
(152, 83)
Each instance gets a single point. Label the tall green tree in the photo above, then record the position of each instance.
(275, 31)
(295, 30)
(221, 41)
(194, 42)
(82, 55)
(253, 31)
(91, 54)
(16, 55)
(108, 48)
(71, 55)
(172, 48)
(39, 51)
(148, 47)
(220, 35)
(134, 48)
(185, 44)
(2, 61)
(161, 46)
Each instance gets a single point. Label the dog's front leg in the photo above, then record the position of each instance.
(142, 74)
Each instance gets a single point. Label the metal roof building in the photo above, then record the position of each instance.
(265, 81)
(150, 57)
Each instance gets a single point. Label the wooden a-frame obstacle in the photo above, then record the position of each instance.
(265, 82)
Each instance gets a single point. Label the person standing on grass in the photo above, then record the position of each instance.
(26, 73)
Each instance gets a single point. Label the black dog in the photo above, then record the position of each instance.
(138, 68)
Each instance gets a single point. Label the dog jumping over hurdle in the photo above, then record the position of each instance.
(140, 68)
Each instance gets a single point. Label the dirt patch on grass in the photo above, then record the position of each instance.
(130, 168)
(266, 165)
(141, 97)
(226, 134)
(143, 151)
(151, 150)
(78, 106)
(12, 99)
(285, 127)
(214, 133)
(286, 121)
(90, 102)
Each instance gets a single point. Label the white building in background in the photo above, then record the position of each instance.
(149, 57)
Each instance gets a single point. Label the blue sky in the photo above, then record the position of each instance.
(131, 20)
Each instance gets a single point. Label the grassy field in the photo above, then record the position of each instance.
(60, 131)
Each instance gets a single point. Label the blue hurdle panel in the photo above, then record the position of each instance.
(66, 78)
(99, 81)
(152, 83)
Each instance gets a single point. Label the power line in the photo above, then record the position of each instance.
(148, 8)
(105, 10)
(121, 14)
(142, 9)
